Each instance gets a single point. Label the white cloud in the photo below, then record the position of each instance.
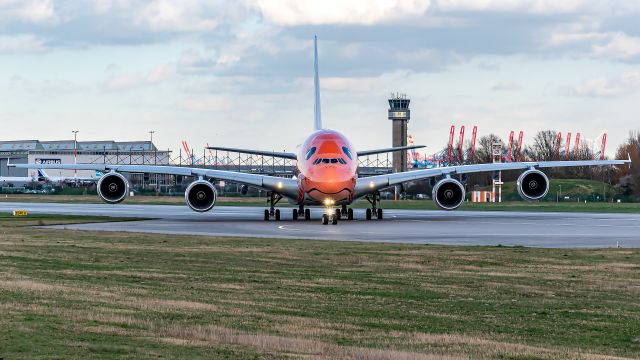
(623, 84)
(297, 12)
(618, 46)
(159, 74)
(21, 44)
(506, 86)
(34, 11)
(184, 15)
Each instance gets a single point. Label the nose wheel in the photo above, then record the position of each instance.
(326, 219)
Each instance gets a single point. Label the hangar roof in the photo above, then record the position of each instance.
(67, 145)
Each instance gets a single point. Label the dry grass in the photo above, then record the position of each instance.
(73, 295)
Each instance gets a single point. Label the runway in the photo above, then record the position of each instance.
(554, 230)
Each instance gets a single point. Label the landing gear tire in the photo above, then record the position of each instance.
(307, 214)
(334, 221)
(379, 214)
(368, 214)
(295, 214)
(325, 219)
(277, 214)
(350, 214)
(338, 214)
(266, 215)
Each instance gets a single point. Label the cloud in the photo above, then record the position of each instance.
(618, 46)
(33, 11)
(180, 16)
(296, 12)
(21, 44)
(621, 85)
(157, 75)
(506, 86)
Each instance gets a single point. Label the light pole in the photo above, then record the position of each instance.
(75, 152)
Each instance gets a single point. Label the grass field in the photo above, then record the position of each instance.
(386, 204)
(86, 295)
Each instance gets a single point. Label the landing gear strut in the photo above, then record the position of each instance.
(375, 210)
(272, 212)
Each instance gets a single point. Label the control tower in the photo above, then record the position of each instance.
(399, 114)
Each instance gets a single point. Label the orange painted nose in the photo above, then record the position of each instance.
(331, 179)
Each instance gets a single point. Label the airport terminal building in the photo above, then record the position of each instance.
(86, 152)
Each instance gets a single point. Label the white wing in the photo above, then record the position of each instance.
(285, 186)
(371, 184)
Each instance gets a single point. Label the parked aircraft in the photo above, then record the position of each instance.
(327, 176)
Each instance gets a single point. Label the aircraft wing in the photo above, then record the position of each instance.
(382, 151)
(371, 184)
(285, 155)
(285, 186)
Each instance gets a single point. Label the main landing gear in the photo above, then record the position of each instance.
(375, 210)
(301, 212)
(272, 212)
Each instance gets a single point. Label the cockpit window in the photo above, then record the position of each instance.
(347, 152)
(330, 161)
(311, 152)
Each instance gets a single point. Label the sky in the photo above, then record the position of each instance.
(240, 73)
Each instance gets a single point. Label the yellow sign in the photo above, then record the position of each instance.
(20, 213)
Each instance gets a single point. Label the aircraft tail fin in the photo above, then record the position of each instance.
(42, 174)
(316, 83)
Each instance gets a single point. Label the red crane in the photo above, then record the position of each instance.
(450, 145)
(519, 144)
(558, 141)
(461, 144)
(510, 146)
(567, 146)
(473, 142)
(576, 147)
(604, 143)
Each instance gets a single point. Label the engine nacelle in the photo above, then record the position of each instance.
(533, 185)
(113, 188)
(201, 195)
(448, 194)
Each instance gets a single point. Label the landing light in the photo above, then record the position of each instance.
(329, 202)
(371, 185)
(279, 184)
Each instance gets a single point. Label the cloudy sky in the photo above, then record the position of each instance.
(239, 73)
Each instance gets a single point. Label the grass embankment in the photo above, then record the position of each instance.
(79, 295)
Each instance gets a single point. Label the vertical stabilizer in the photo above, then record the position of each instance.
(316, 83)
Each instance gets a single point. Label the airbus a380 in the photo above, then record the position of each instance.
(327, 175)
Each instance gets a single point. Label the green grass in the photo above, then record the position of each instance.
(79, 295)
(574, 188)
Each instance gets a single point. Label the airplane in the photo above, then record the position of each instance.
(17, 181)
(42, 175)
(327, 175)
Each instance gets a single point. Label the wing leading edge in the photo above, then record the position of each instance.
(284, 155)
(387, 150)
(285, 186)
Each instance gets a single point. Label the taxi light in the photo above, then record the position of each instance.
(279, 184)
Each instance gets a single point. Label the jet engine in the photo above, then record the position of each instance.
(201, 195)
(448, 194)
(533, 185)
(113, 188)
